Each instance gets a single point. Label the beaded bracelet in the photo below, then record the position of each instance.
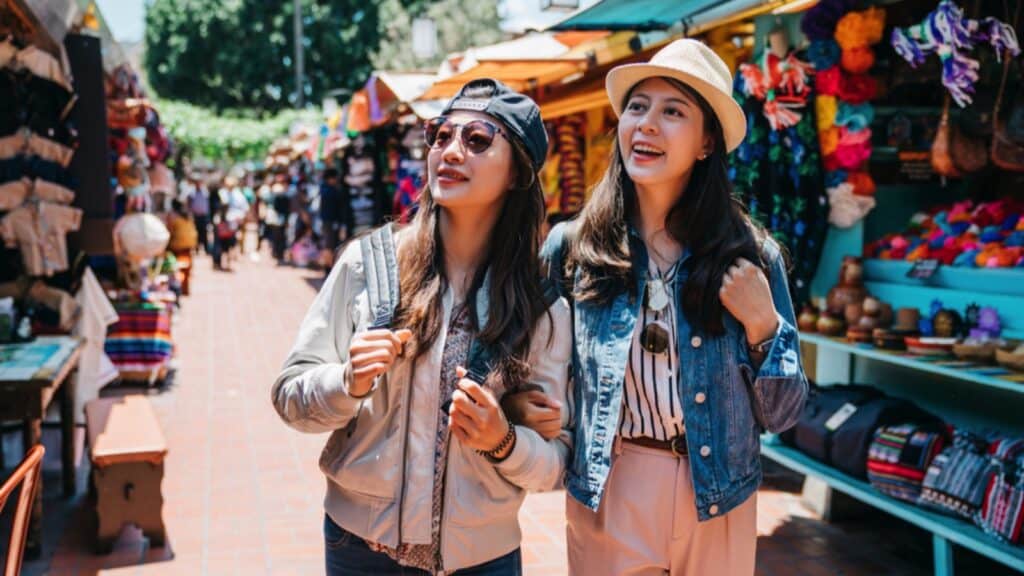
(510, 438)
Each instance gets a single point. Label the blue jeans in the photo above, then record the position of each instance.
(348, 555)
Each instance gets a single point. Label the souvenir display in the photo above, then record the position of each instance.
(967, 234)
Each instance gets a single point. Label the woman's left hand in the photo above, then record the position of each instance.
(746, 294)
(475, 416)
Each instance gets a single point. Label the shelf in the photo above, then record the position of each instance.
(992, 376)
(999, 281)
(946, 527)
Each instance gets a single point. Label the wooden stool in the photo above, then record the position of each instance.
(127, 449)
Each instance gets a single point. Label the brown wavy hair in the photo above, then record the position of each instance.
(706, 218)
(516, 297)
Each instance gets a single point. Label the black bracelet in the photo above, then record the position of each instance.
(510, 438)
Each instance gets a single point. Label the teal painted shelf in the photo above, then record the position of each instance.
(991, 376)
(951, 529)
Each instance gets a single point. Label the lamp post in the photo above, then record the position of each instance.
(300, 63)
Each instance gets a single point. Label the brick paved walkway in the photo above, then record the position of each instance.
(243, 492)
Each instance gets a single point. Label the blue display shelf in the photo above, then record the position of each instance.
(944, 529)
(978, 281)
(991, 376)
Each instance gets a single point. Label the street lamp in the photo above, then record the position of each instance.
(424, 38)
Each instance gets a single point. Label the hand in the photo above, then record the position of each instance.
(535, 410)
(371, 354)
(475, 417)
(746, 294)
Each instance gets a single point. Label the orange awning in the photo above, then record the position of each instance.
(520, 75)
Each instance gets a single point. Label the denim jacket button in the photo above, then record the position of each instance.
(695, 341)
(700, 398)
(705, 451)
(713, 510)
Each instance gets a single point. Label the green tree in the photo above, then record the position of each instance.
(461, 24)
(240, 53)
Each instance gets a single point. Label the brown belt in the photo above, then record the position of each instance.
(676, 445)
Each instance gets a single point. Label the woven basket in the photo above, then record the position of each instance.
(982, 353)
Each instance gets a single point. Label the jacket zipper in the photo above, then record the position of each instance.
(405, 450)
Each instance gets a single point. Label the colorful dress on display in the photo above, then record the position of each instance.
(776, 171)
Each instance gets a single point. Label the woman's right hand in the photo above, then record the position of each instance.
(371, 354)
(535, 410)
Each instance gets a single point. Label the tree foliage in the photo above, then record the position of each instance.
(240, 53)
(228, 136)
(461, 24)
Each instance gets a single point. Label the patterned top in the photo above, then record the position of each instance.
(456, 351)
(650, 400)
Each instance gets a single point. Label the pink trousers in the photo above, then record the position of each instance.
(647, 524)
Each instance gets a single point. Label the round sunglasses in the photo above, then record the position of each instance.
(476, 135)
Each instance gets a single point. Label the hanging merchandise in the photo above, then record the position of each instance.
(571, 183)
(950, 35)
(40, 230)
(409, 175)
(841, 52)
(776, 170)
(362, 182)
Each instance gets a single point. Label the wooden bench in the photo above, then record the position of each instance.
(127, 450)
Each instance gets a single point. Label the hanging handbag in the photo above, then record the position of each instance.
(942, 160)
(969, 153)
(1008, 133)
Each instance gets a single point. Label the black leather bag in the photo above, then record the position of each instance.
(844, 445)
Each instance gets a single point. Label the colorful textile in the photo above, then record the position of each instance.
(899, 457)
(958, 477)
(1002, 513)
(141, 338)
(776, 171)
(950, 35)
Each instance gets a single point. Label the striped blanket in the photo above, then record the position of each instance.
(899, 457)
(957, 478)
(141, 338)
(1002, 514)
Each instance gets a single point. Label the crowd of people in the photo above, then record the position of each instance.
(302, 218)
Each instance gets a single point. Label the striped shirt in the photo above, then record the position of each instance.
(651, 407)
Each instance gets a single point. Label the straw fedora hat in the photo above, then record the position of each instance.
(693, 64)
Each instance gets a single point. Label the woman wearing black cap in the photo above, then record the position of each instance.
(425, 473)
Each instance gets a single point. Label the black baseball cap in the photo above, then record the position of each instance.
(518, 112)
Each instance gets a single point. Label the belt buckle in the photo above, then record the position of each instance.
(678, 445)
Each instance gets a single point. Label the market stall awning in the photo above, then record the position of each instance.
(634, 14)
(520, 75)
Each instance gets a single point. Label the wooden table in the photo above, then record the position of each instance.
(31, 375)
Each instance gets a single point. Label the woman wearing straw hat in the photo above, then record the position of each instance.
(686, 347)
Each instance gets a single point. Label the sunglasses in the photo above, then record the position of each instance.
(476, 135)
(654, 337)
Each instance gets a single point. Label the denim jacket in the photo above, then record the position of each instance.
(727, 402)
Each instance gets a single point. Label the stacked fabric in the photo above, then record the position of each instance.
(899, 457)
(983, 235)
(140, 340)
(841, 52)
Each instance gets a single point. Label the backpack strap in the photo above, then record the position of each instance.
(380, 265)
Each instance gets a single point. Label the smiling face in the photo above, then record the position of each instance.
(661, 134)
(458, 175)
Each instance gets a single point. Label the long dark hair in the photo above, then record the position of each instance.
(516, 299)
(707, 219)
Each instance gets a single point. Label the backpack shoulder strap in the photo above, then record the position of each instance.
(381, 268)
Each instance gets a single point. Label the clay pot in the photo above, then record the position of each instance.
(853, 312)
(885, 315)
(830, 325)
(867, 323)
(808, 319)
(908, 319)
(850, 288)
(947, 324)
